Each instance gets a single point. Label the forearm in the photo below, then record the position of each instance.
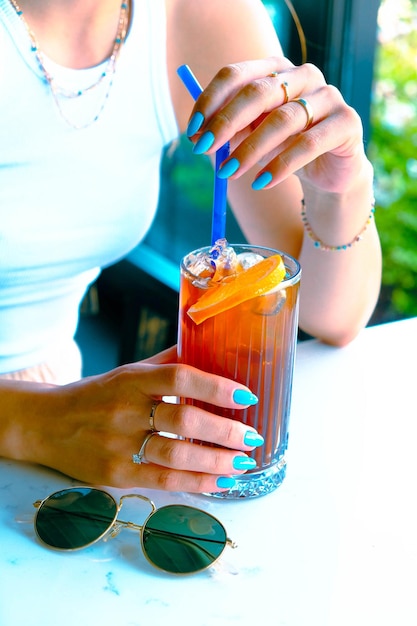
(339, 287)
(23, 406)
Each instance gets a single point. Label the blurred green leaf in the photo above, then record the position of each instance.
(393, 151)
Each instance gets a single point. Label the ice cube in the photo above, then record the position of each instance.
(202, 266)
(270, 303)
(248, 259)
(225, 260)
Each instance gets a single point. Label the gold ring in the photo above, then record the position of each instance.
(152, 415)
(139, 456)
(273, 75)
(284, 85)
(307, 108)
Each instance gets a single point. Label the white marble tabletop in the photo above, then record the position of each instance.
(335, 545)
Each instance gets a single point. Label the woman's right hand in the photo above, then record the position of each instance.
(91, 428)
(256, 106)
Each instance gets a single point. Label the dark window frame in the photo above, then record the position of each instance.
(341, 40)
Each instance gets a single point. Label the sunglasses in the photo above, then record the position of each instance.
(177, 538)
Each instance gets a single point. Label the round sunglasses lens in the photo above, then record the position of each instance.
(182, 540)
(74, 518)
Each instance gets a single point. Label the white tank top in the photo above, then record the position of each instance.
(73, 201)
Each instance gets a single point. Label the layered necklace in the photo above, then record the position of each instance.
(61, 94)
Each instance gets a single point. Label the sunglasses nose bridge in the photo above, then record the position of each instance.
(136, 495)
(133, 525)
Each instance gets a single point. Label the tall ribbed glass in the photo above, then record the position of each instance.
(253, 343)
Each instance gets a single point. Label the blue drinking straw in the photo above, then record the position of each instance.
(218, 227)
(190, 81)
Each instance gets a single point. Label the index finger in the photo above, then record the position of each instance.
(229, 81)
(176, 379)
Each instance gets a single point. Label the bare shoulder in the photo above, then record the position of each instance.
(209, 34)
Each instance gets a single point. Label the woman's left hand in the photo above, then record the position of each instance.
(253, 105)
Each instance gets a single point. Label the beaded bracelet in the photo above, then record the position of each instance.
(318, 243)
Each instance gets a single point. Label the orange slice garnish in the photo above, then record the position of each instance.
(253, 282)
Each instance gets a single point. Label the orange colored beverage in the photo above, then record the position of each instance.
(253, 343)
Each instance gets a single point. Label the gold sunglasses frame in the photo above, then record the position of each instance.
(117, 525)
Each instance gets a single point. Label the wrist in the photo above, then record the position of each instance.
(336, 221)
(323, 245)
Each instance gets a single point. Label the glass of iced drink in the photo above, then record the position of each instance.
(238, 318)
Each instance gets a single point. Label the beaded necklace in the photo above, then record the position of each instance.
(60, 93)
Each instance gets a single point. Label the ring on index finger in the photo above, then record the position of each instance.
(308, 109)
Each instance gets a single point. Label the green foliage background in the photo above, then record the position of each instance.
(393, 152)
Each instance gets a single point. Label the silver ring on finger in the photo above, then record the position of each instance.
(139, 457)
(308, 109)
(152, 415)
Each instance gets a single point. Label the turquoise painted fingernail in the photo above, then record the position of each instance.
(228, 168)
(225, 482)
(242, 396)
(253, 438)
(204, 143)
(243, 463)
(195, 123)
(262, 181)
